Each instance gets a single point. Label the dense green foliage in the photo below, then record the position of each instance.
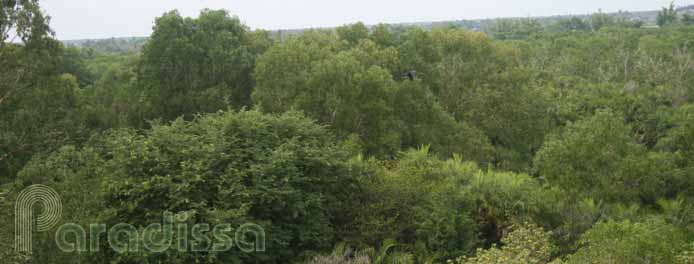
(282, 172)
(198, 65)
(567, 142)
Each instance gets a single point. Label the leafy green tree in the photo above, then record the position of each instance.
(418, 52)
(197, 65)
(114, 100)
(282, 172)
(600, 20)
(353, 91)
(27, 21)
(525, 244)
(260, 41)
(599, 158)
(76, 174)
(651, 241)
(384, 36)
(419, 203)
(353, 33)
(282, 73)
(74, 62)
(680, 141)
(667, 16)
(411, 200)
(38, 104)
(43, 118)
(354, 99)
(422, 120)
(504, 199)
(482, 84)
(20, 61)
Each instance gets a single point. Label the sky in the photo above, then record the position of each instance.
(88, 19)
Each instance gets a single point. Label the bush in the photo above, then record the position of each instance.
(526, 244)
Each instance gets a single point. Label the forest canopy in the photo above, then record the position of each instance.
(527, 142)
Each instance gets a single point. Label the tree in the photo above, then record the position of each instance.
(667, 16)
(600, 20)
(41, 120)
(114, 100)
(651, 241)
(73, 62)
(418, 202)
(418, 52)
(197, 65)
(679, 141)
(525, 244)
(597, 157)
(282, 172)
(480, 83)
(38, 108)
(433, 206)
(354, 92)
(282, 72)
(25, 20)
(354, 99)
(504, 199)
(384, 36)
(422, 120)
(353, 33)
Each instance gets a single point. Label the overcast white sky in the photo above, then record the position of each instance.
(79, 19)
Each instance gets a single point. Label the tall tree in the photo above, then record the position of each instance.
(680, 141)
(38, 110)
(353, 33)
(282, 172)
(480, 82)
(667, 16)
(598, 157)
(23, 19)
(600, 20)
(193, 65)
